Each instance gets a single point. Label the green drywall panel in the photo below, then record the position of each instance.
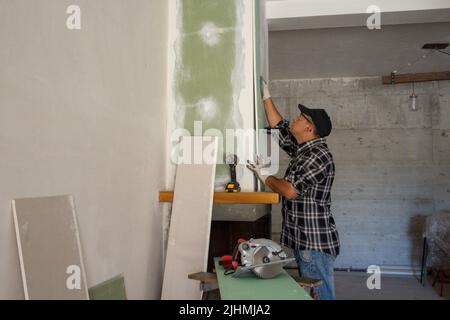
(209, 44)
(113, 289)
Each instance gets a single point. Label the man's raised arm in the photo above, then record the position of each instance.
(272, 114)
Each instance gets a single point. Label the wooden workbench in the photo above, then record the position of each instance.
(233, 198)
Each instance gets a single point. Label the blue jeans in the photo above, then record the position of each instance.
(317, 265)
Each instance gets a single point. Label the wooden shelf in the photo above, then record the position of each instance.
(233, 198)
(417, 77)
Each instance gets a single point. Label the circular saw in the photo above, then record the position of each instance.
(264, 257)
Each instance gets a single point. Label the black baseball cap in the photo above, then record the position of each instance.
(320, 119)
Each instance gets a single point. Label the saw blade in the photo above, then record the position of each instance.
(264, 256)
(244, 270)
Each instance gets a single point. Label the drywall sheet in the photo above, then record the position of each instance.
(212, 87)
(113, 289)
(188, 243)
(49, 248)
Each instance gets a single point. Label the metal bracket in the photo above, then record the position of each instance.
(392, 77)
(206, 287)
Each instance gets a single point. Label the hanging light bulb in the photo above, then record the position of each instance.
(413, 102)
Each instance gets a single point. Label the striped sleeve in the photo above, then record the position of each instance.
(282, 134)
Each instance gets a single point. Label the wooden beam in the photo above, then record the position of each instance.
(417, 77)
(206, 277)
(233, 198)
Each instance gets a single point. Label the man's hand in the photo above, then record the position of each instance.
(265, 89)
(257, 167)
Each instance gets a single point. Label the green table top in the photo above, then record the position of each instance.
(250, 287)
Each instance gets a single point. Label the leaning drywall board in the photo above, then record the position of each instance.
(190, 224)
(49, 248)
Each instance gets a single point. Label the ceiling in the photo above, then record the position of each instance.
(313, 14)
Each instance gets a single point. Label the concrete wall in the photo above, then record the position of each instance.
(392, 165)
(356, 51)
(83, 113)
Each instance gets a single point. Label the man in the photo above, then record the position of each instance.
(308, 226)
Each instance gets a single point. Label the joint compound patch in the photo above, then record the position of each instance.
(210, 34)
(208, 107)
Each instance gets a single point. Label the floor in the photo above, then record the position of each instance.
(352, 286)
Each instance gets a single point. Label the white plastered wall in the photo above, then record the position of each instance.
(84, 113)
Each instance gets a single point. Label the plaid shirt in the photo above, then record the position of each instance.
(307, 220)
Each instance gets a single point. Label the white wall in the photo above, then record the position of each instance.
(83, 113)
